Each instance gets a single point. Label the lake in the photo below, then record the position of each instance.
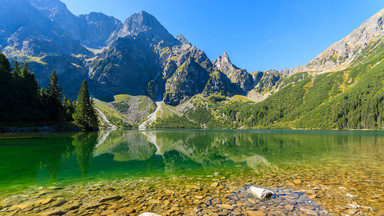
(193, 171)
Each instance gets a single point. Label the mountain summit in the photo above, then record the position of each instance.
(140, 56)
(144, 24)
(364, 40)
(239, 76)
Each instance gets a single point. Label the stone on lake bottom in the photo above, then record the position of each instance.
(297, 181)
(108, 212)
(149, 214)
(214, 184)
(93, 206)
(255, 213)
(108, 198)
(224, 206)
(72, 206)
(126, 210)
(350, 195)
(289, 207)
(261, 192)
(51, 213)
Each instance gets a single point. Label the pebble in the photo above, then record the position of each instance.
(51, 213)
(350, 195)
(199, 196)
(108, 198)
(214, 184)
(297, 181)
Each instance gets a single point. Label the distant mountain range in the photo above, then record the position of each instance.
(115, 57)
(140, 57)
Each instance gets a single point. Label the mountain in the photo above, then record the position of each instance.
(137, 57)
(341, 88)
(92, 30)
(239, 76)
(351, 49)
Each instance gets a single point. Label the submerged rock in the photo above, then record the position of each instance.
(261, 193)
(149, 214)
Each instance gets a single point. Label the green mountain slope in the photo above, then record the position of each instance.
(347, 99)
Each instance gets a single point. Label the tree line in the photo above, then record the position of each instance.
(24, 103)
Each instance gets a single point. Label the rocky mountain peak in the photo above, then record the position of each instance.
(59, 14)
(226, 56)
(148, 27)
(223, 63)
(140, 22)
(50, 7)
(182, 39)
(341, 54)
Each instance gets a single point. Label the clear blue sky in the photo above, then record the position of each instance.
(257, 35)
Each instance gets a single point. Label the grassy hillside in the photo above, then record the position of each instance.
(348, 99)
(126, 110)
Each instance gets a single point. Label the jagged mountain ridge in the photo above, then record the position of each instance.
(115, 57)
(139, 56)
(366, 39)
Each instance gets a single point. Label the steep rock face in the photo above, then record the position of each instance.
(368, 37)
(266, 80)
(188, 80)
(239, 76)
(26, 29)
(219, 83)
(59, 14)
(149, 29)
(29, 35)
(96, 28)
(92, 30)
(136, 57)
(127, 67)
(182, 39)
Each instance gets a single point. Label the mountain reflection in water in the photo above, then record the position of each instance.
(68, 158)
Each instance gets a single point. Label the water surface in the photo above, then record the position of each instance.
(330, 158)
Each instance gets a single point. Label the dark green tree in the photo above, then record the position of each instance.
(69, 109)
(6, 93)
(27, 94)
(53, 99)
(85, 116)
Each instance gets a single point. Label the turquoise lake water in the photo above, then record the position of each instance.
(70, 158)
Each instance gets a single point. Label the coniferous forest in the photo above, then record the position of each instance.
(24, 103)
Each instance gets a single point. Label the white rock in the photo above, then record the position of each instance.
(261, 192)
(350, 195)
(149, 214)
(353, 206)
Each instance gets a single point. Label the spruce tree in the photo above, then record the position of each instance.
(53, 99)
(27, 92)
(85, 116)
(69, 109)
(6, 93)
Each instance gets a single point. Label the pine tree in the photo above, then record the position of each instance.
(85, 116)
(53, 99)
(69, 109)
(27, 94)
(6, 95)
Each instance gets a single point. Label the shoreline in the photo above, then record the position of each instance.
(212, 195)
(45, 129)
(51, 129)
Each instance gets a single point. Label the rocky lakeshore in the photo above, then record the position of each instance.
(216, 194)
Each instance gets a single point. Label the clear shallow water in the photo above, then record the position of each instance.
(71, 158)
